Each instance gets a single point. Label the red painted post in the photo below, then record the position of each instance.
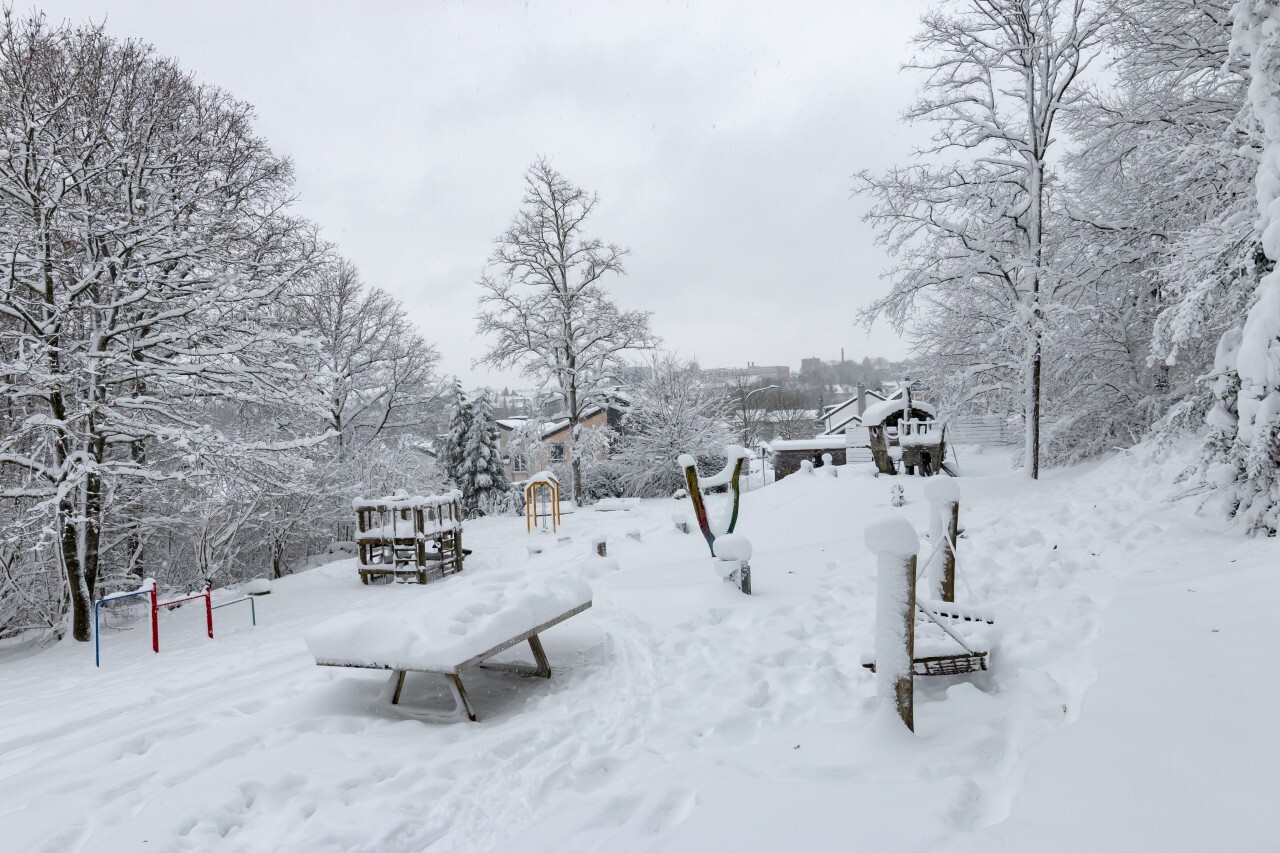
(208, 608)
(155, 621)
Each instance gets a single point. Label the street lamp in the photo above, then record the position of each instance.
(745, 398)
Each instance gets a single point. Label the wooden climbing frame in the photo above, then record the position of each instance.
(412, 538)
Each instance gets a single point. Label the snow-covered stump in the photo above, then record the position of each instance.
(894, 542)
(600, 543)
(943, 494)
(681, 521)
(829, 465)
(733, 555)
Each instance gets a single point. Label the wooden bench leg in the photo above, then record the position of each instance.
(461, 702)
(543, 668)
(400, 674)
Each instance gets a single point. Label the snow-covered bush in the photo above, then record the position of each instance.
(672, 412)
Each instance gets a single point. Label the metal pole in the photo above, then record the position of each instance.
(155, 622)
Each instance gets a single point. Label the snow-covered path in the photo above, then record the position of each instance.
(685, 716)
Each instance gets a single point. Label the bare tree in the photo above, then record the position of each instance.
(672, 411)
(1000, 73)
(145, 242)
(544, 303)
(379, 370)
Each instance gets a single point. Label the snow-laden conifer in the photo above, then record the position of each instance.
(483, 481)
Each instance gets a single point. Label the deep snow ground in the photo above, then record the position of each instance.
(1123, 712)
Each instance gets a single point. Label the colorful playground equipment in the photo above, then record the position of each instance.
(148, 589)
(735, 550)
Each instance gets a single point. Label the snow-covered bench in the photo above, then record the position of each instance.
(449, 628)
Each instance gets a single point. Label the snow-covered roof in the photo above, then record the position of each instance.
(404, 500)
(820, 443)
(833, 410)
(850, 421)
(880, 412)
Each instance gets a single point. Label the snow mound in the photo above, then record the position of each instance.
(940, 491)
(892, 534)
(732, 546)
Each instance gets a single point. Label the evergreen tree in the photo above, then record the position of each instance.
(483, 481)
(454, 453)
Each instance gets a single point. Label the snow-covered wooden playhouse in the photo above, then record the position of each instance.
(904, 431)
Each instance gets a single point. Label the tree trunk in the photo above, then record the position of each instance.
(134, 545)
(81, 598)
(1033, 409)
(575, 464)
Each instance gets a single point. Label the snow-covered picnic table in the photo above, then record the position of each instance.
(449, 627)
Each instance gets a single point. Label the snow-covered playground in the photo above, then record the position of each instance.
(1128, 705)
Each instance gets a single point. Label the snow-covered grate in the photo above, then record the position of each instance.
(962, 664)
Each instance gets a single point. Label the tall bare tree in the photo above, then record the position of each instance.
(379, 370)
(544, 303)
(1000, 74)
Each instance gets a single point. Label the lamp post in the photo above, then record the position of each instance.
(745, 398)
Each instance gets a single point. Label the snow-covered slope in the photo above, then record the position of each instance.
(1125, 709)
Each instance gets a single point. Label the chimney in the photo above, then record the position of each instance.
(862, 400)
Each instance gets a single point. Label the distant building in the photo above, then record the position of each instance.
(750, 373)
(553, 440)
(811, 366)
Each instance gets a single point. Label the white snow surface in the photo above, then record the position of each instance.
(891, 534)
(1127, 708)
(942, 490)
(838, 442)
(440, 625)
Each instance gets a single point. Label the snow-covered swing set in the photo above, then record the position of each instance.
(732, 550)
(897, 658)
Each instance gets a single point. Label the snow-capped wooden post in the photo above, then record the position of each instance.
(733, 555)
(894, 542)
(943, 494)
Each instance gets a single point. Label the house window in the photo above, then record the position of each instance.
(557, 453)
(518, 462)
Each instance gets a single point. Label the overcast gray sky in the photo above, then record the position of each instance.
(720, 137)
